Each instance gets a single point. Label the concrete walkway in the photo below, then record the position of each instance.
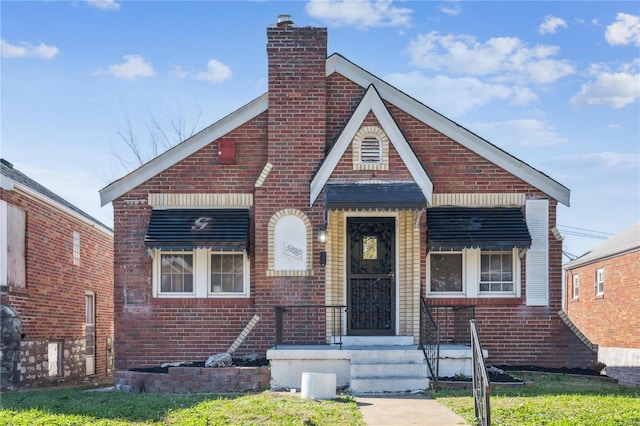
(404, 410)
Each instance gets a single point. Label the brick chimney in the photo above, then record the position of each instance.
(297, 96)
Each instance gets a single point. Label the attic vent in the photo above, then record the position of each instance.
(370, 150)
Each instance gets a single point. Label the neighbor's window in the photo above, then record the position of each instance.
(576, 285)
(496, 271)
(600, 281)
(76, 248)
(176, 275)
(227, 272)
(90, 303)
(446, 272)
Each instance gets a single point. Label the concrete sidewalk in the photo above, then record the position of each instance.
(401, 410)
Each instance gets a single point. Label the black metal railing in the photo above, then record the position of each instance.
(481, 384)
(429, 340)
(306, 324)
(453, 321)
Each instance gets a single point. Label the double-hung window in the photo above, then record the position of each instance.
(227, 273)
(446, 272)
(576, 286)
(496, 272)
(176, 273)
(474, 273)
(599, 281)
(201, 273)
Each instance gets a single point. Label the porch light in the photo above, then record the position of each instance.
(322, 235)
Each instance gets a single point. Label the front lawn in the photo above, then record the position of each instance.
(79, 407)
(553, 399)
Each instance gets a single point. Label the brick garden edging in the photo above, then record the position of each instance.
(194, 380)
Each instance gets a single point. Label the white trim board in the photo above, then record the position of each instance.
(371, 102)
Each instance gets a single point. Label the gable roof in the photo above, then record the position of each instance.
(339, 64)
(623, 242)
(183, 149)
(482, 147)
(371, 101)
(12, 177)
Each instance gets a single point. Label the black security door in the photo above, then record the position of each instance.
(370, 276)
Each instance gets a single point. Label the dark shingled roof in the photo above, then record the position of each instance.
(374, 195)
(6, 169)
(456, 228)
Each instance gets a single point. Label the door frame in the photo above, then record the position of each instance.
(392, 215)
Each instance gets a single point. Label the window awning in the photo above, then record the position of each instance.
(219, 229)
(456, 228)
(375, 195)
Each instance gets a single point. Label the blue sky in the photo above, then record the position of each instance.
(556, 84)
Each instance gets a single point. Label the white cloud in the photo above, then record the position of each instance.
(215, 73)
(551, 25)
(502, 58)
(133, 66)
(523, 133)
(456, 96)
(451, 8)
(104, 4)
(359, 13)
(606, 160)
(615, 89)
(626, 30)
(27, 50)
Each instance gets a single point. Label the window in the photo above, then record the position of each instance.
(200, 273)
(89, 301)
(176, 274)
(54, 354)
(76, 248)
(446, 272)
(599, 281)
(227, 273)
(576, 284)
(370, 150)
(474, 273)
(496, 271)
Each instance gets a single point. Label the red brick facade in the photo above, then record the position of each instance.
(610, 319)
(51, 306)
(307, 112)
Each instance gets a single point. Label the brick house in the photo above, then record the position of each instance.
(328, 206)
(602, 299)
(56, 287)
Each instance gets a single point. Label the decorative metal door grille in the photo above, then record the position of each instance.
(371, 279)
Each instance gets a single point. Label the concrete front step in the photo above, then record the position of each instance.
(377, 385)
(394, 369)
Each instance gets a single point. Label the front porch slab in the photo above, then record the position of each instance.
(365, 368)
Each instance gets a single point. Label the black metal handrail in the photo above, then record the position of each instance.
(481, 384)
(429, 339)
(305, 324)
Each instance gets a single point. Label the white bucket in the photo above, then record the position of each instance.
(318, 386)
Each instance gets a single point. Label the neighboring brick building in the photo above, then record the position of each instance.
(56, 265)
(228, 224)
(602, 291)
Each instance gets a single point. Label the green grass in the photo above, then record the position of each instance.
(78, 407)
(553, 399)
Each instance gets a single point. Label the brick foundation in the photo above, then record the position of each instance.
(194, 380)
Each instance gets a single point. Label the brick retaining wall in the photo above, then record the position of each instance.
(194, 380)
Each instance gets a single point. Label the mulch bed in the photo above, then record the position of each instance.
(237, 362)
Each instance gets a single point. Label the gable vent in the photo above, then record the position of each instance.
(370, 150)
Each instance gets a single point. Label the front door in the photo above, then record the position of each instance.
(371, 280)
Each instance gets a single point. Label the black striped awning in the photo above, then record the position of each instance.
(457, 228)
(186, 229)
